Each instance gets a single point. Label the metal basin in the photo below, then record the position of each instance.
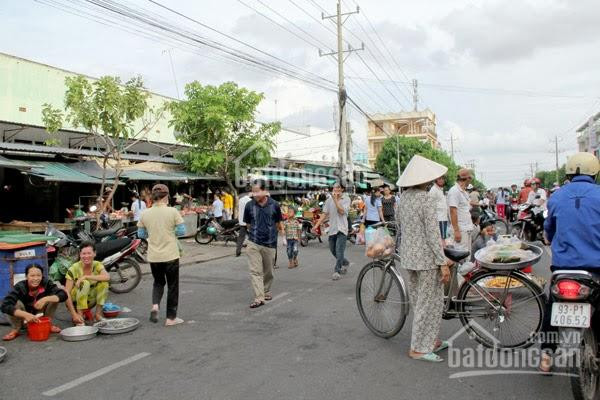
(79, 333)
(117, 325)
(2, 353)
(516, 265)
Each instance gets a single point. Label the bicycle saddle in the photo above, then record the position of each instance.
(455, 255)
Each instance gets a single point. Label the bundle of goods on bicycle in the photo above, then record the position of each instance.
(379, 242)
(505, 250)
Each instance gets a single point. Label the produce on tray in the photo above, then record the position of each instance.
(501, 282)
(505, 250)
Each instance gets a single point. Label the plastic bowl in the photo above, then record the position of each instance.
(111, 314)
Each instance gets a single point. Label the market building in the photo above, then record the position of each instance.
(417, 124)
(39, 182)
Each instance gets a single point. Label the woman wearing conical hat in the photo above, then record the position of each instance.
(422, 256)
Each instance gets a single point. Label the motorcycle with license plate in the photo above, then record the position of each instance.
(575, 313)
(116, 255)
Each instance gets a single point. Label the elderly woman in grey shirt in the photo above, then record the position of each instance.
(422, 256)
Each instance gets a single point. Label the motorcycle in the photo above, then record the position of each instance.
(354, 230)
(307, 230)
(116, 256)
(141, 253)
(488, 215)
(226, 231)
(530, 223)
(513, 211)
(576, 294)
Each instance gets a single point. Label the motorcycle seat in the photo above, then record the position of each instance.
(131, 230)
(103, 233)
(455, 255)
(230, 223)
(110, 247)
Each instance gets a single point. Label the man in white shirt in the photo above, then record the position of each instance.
(244, 199)
(537, 196)
(217, 208)
(459, 205)
(137, 206)
(441, 206)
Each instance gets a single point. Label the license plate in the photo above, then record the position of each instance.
(571, 315)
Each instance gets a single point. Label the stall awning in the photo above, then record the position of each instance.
(59, 172)
(178, 176)
(17, 164)
(295, 180)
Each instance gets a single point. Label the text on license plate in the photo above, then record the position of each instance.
(571, 315)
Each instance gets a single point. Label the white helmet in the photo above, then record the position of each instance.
(470, 187)
(582, 164)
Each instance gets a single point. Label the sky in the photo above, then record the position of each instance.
(504, 78)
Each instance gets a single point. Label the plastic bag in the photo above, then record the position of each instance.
(504, 250)
(379, 243)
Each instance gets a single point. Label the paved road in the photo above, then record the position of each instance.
(308, 343)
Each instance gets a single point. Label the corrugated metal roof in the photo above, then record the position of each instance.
(59, 172)
(34, 148)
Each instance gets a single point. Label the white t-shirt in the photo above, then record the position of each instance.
(501, 197)
(241, 207)
(137, 207)
(217, 208)
(459, 198)
(537, 202)
(441, 207)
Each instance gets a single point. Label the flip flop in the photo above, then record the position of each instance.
(174, 322)
(442, 346)
(429, 357)
(11, 336)
(257, 304)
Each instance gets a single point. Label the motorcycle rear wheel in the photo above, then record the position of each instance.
(125, 276)
(304, 238)
(585, 383)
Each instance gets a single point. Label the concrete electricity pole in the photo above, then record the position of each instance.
(344, 152)
(415, 94)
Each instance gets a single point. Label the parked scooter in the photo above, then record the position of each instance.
(576, 296)
(354, 229)
(116, 255)
(307, 230)
(226, 231)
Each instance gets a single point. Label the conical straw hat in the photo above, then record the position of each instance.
(420, 170)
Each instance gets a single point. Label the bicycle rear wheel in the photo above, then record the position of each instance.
(501, 309)
(384, 312)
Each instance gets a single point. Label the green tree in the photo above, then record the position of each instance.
(386, 162)
(549, 177)
(109, 112)
(219, 123)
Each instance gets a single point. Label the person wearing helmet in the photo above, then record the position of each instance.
(524, 193)
(537, 196)
(573, 228)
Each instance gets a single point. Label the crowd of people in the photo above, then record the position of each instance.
(428, 220)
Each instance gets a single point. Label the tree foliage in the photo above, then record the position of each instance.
(219, 124)
(108, 111)
(549, 177)
(387, 165)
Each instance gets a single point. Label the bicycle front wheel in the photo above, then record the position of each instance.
(501, 309)
(381, 299)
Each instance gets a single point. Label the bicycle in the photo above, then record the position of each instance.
(503, 317)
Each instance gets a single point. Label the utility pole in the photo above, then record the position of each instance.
(415, 94)
(346, 169)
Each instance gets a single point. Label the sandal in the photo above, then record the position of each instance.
(268, 297)
(11, 336)
(443, 346)
(55, 329)
(256, 304)
(429, 357)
